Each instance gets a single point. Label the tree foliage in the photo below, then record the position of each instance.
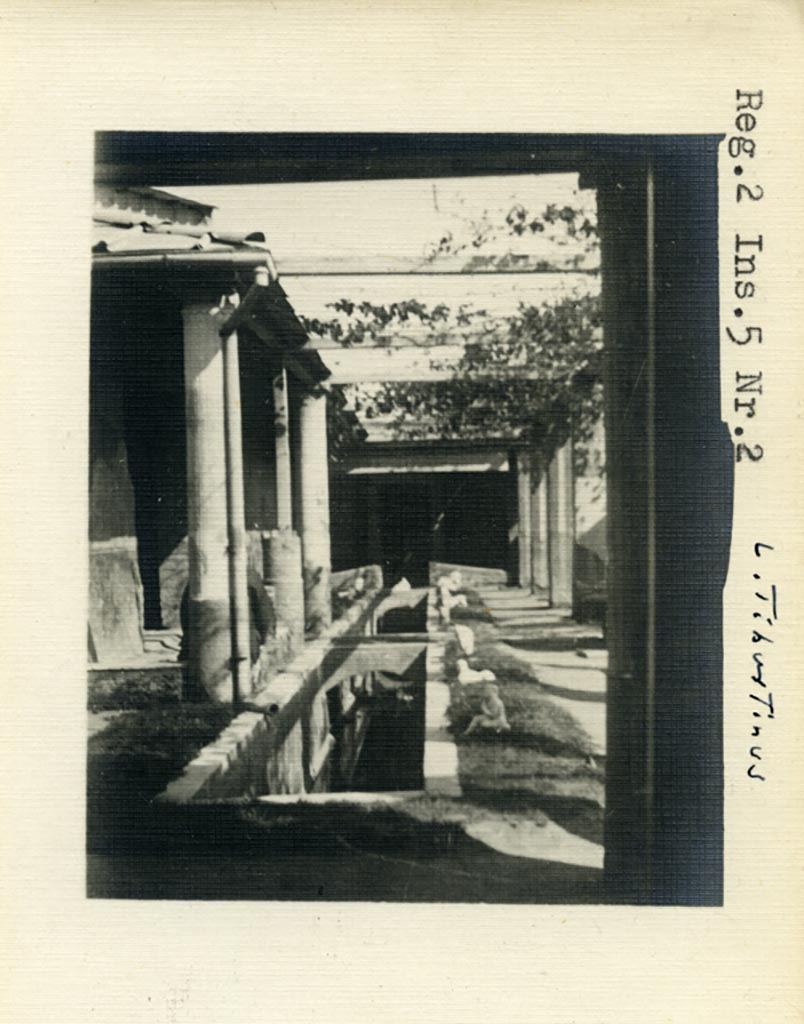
(534, 375)
(567, 234)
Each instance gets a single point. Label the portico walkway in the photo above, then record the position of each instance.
(519, 614)
(566, 657)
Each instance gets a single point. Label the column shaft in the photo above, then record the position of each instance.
(539, 549)
(208, 619)
(561, 526)
(523, 480)
(283, 579)
(316, 553)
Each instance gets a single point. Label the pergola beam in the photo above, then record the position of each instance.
(241, 158)
(380, 364)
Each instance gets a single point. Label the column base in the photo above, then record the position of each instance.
(209, 643)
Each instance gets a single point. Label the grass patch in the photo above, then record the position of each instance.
(577, 810)
(545, 743)
(494, 656)
(126, 689)
(383, 829)
(138, 753)
(538, 725)
(543, 762)
(171, 733)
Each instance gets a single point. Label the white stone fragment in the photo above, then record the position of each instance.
(456, 580)
(469, 675)
(466, 638)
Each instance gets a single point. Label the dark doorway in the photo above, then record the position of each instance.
(403, 521)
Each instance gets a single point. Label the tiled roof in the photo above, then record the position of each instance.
(138, 205)
(129, 223)
(113, 237)
(147, 221)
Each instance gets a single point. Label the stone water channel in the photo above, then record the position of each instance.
(360, 710)
(311, 792)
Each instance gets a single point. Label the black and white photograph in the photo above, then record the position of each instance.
(409, 518)
(401, 512)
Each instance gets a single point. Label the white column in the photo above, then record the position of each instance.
(282, 550)
(523, 484)
(561, 527)
(316, 556)
(539, 551)
(238, 551)
(209, 623)
(284, 543)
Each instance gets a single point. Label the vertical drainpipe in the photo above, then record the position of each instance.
(236, 521)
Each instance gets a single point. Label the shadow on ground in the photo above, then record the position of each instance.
(247, 852)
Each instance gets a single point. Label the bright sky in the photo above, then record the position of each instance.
(376, 226)
(371, 225)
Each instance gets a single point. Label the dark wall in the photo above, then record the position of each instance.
(137, 404)
(419, 517)
(138, 471)
(111, 507)
(259, 461)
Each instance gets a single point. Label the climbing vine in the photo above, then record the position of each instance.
(534, 374)
(568, 233)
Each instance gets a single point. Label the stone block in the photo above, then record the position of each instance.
(115, 601)
(284, 769)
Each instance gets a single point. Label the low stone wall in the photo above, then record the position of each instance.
(471, 575)
(372, 574)
(271, 747)
(347, 585)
